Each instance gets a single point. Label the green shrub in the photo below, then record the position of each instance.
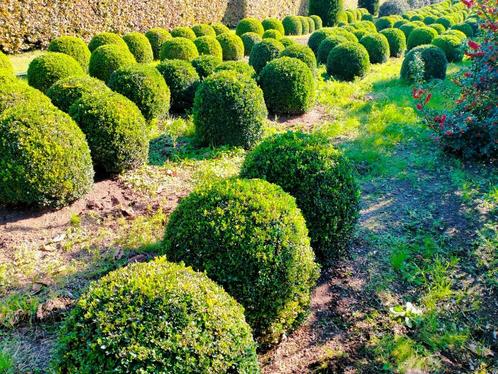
(156, 317)
(72, 46)
(305, 26)
(178, 48)
(139, 46)
(249, 24)
(457, 33)
(399, 23)
(264, 52)
(157, 36)
(318, 36)
(465, 28)
(229, 109)
(397, 41)
(205, 65)
(272, 34)
(288, 86)
(182, 80)
(16, 92)
(432, 63)
(384, 23)
(48, 68)
(367, 17)
(105, 38)
(429, 20)
(219, 28)
(208, 45)
(349, 16)
(447, 22)
(250, 237)
(203, 30)
(451, 46)
(183, 32)
(438, 27)
(393, 7)
(318, 21)
(327, 45)
(5, 64)
(420, 36)
(292, 25)
(360, 33)
(301, 52)
(249, 39)
(348, 61)
(327, 10)
(320, 178)
(371, 5)
(108, 58)
(44, 158)
(407, 29)
(115, 130)
(377, 47)
(348, 35)
(419, 23)
(311, 24)
(287, 42)
(273, 24)
(232, 46)
(240, 67)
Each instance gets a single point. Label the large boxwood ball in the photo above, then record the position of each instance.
(292, 25)
(452, 47)
(287, 42)
(241, 67)
(305, 25)
(377, 47)
(232, 46)
(446, 21)
(72, 46)
(182, 80)
(438, 27)
(219, 28)
(264, 52)
(311, 24)
(157, 36)
(318, 36)
(433, 63)
(318, 21)
(156, 317)
(229, 109)
(15, 92)
(328, 10)
(48, 68)
(407, 29)
(250, 39)
(178, 48)
(327, 44)
(108, 58)
(397, 41)
(301, 52)
(460, 35)
(348, 61)
(249, 24)
(145, 86)
(249, 237)
(465, 28)
(44, 157)
(384, 23)
(208, 45)
(5, 64)
(205, 65)
(272, 34)
(288, 86)
(105, 38)
(183, 32)
(139, 46)
(115, 130)
(203, 29)
(273, 24)
(420, 36)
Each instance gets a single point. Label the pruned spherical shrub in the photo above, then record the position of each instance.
(429, 20)
(399, 23)
(48, 68)
(360, 33)
(397, 41)
(407, 29)
(232, 46)
(249, 237)
(105, 38)
(229, 109)
(391, 7)
(240, 67)
(249, 24)
(327, 45)
(208, 45)
(156, 317)
(425, 61)
(183, 32)
(249, 39)
(5, 64)
(219, 28)
(72, 46)
(419, 23)
(287, 42)
(451, 46)
(288, 86)
(456, 33)
(368, 17)
(108, 58)
(348, 35)
(157, 36)
(318, 21)
(273, 24)
(264, 52)
(292, 25)
(420, 36)
(178, 48)
(16, 92)
(311, 24)
(372, 6)
(139, 46)
(384, 23)
(182, 80)
(301, 52)
(327, 10)
(438, 27)
(377, 47)
(465, 28)
(205, 65)
(445, 21)
(320, 178)
(272, 34)
(44, 157)
(318, 36)
(115, 130)
(348, 61)
(203, 29)
(305, 25)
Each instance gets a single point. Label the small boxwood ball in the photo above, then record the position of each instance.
(5, 64)
(108, 58)
(178, 48)
(273, 24)
(187, 323)
(205, 65)
(367, 17)
(48, 68)
(311, 24)
(139, 46)
(445, 21)
(183, 32)
(428, 20)
(318, 21)
(318, 36)
(249, 39)
(249, 24)
(14, 92)
(288, 86)
(287, 42)
(241, 67)
(305, 26)
(465, 28)
(72, 46)
(219, 28)
(433, 60)
(438, 27)
(457, 33)
(301, 52)
(249, 237)
(229, 109)
(232, 46)
(384, 23)
(407, 29)
(106, 38)
(264, 52)
(203, 30)
(397, 41)
(452, 47)
(292, 25)
(272, 34)
(399, 23)
(182, 80)
(419, 23)
(420, 36)
(327, 45)
(348, 35)
(208, 45)
(348, 61)
(157, 36)
(377, 47)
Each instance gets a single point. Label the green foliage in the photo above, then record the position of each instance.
(348, 61)
(5, 64)
(208, 45)
(318, 36)
(292, 25)
(447, 22)
(178, 48)
(429, 20)
(305, 25)
(371, 5)
(240, 67)
(186, 323)
(457, 33)
(105, 38)
(377, 47)
(232, 46)
(249, 24)
(327, 45)
(397, 41)
(438, 27)
(451, 46)
(273, 24)
(465, 28)
(250, 237)
(318, 21)
(203, 29)
(384, 23)
(426, 61)
(139, 46)
(183, 32)
(287, 42)
(393, 7)
(219, 28)
(108, 58)
(250, 39)
(311, 24)
(272, 34)
(420, 36)
(407, 29)
(327, 10)
(301, 52)
(15, 92)
(205, 65)
(264, 52)
(229, 109)
(157, 36)
(72, 46)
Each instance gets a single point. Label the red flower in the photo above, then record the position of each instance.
(468, 3)
(428, 98)
(467, 74)
(417, 92)
(419, 106)
(473, 45)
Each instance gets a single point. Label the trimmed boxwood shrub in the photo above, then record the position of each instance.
(182, 80)
(397, 41)
(318, 21)
(432, 58)
(241, 67)
(457, 33)
(249, 39)
(305, 25)
(157, 36)
(391, 7)
(273, 24)
(348, 61)
(292, 25)
(287, 42)
(139, 46)
(115, 130)
(348, 35)
(327, 10)
(108, 58)
(318, 36)
(420, 36)
(445, 21)
(205, 65)
(377, 47)
(105, 38)
(438, 27)
(399, 23)
(48, 68)
(384, 23)
(288, 86)
(229, 109)
(187, 323)
(407, 29)
(301, 52)
(249, 24)
(360, 33)
(208, 45)
(232, 46)
(203, 29)
(183, 32)
(320, 178)
(311, 24)
(451, 46)
(272, 34)
(72, 46)
(367, 17)
(5, 64)
(249, 237)
(465, 28)
(219, 28)
(16, 92)
(178, 48)
(429, 20)
(327, 45)
(264, 52)
(371, 5)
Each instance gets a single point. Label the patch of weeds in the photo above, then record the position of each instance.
(486, 253)
(17, 308)
(6, 363)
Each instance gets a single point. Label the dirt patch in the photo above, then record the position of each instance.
(303, 122)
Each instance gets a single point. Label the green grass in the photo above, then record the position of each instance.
(21, 61)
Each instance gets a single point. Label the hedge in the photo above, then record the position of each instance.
(327, 10)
